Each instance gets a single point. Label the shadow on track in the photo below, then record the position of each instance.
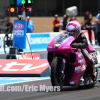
(76, 88)
(84, 87)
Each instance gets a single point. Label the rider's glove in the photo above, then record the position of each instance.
(74, 45)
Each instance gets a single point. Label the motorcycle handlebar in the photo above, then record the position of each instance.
(76, 49)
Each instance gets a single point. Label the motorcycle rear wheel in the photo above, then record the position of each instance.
(56, 78)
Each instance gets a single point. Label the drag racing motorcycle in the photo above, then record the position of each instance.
(67, 64)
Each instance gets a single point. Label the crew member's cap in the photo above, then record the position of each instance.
(56, 15)
(28, 17)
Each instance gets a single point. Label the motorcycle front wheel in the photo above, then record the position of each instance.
(56, 76)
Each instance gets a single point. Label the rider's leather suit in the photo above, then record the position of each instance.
(81, 42)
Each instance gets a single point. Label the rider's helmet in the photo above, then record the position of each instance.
(73, 28)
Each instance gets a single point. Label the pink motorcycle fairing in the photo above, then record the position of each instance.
(75, 62)
(62, 40)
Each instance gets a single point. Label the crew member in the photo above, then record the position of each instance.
(57, 24)
(9, 26)
(30, 25)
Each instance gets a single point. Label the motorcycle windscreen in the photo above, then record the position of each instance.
(61, 37)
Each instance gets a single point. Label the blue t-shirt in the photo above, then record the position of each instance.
(30, 25)
(98, 24)
(62, 23)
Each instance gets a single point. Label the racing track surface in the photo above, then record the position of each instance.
(68, 93)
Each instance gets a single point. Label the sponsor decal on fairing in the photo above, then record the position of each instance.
(72, 82)
(78, 69)
(81, 61)
(83, 68)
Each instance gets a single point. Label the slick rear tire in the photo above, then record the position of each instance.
(55, 77)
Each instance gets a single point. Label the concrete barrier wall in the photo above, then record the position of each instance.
(39, 42)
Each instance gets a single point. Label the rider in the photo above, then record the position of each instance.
(73, 28)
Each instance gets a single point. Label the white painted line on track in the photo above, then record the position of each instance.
(37, 79)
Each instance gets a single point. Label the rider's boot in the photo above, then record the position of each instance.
(91, 64)
(93, 78)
